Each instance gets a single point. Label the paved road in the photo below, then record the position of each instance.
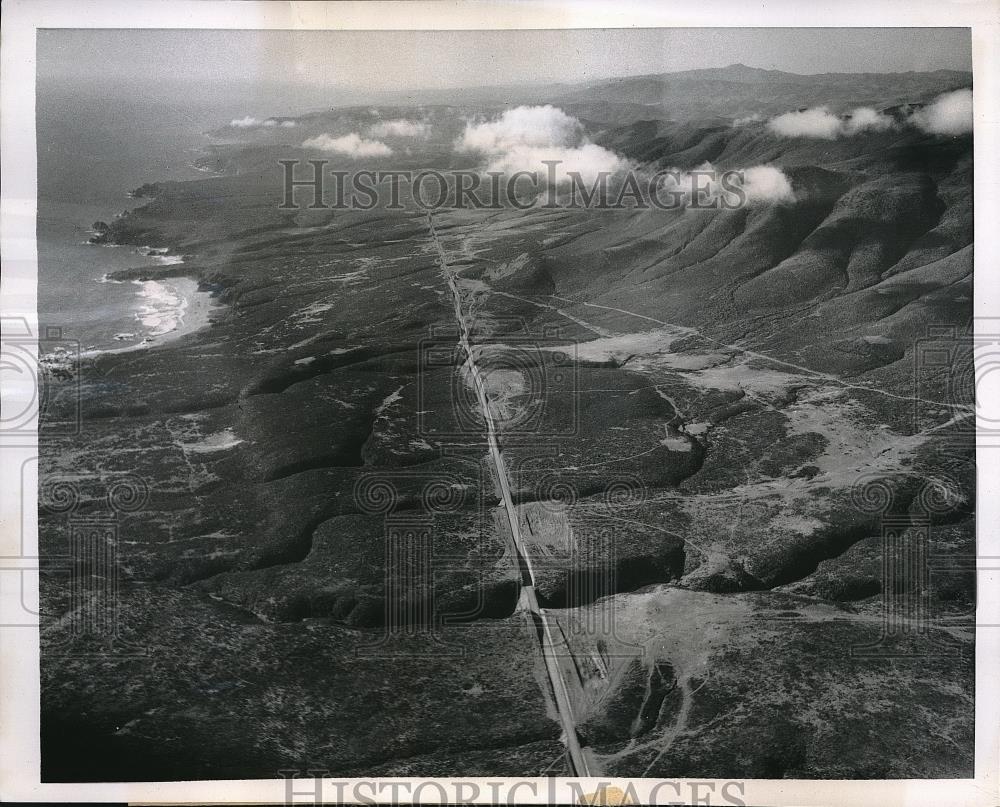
(544, 629)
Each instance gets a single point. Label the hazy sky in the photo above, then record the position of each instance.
(401, 60)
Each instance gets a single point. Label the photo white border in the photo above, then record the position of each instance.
(19, 671)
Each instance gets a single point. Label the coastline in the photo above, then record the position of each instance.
(168, 304)
(134, 294)
(175, 308)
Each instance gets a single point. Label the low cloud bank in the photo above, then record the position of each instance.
(765, 183)
(521, 139)
(866, 119)
(523, 127)
(526, 137)
(250, 122)
(948, 114)
(759, 184)
(353, 145)
(820, 123)
(400, 127)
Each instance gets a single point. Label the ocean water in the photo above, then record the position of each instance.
(97, 140)
(90, 155)
(74, 295)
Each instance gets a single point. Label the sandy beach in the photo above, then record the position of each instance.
(172, 308)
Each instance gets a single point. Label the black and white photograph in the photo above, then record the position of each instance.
(595, 404)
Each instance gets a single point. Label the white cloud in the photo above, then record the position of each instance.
(765, 183)
(816, 122)
(522, 126)
(948, 114)
(353, 145)
(250, 122)
(866, 119)
(400, 127)
(748, 119)
(761, 184)
(523, 137)
(822, 124)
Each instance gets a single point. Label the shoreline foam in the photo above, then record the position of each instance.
(174, 308)
(168, 308)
